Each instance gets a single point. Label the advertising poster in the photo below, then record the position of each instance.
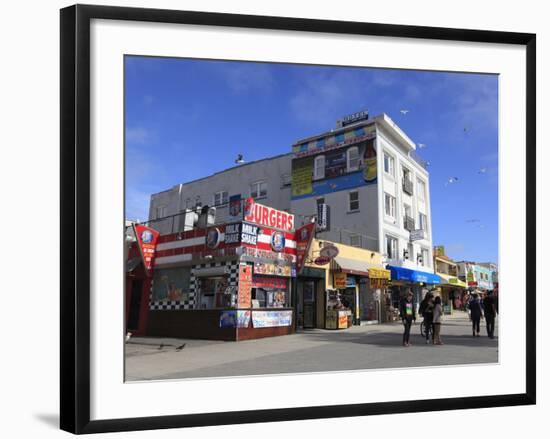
(271, 319)
(335, 164)
(235, 208)
(245, 286)
(147, 243)
(369, 160)
(304, 235)
(243, 318)
(228, 319)
(302, 175)
(340, 281)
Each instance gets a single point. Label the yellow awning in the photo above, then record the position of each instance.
(361, 268)
(452, 280)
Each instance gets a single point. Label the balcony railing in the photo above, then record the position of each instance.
(407, 185)
(408, 223)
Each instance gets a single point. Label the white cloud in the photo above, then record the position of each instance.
(138, 135)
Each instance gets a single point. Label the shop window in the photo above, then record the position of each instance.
(353, 201)
(353, 159)
(171, 284)
(269, 298)
(214, 292)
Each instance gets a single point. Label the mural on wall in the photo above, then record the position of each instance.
(302, 174)
(336, 178)
(369, 163)
(171, 284)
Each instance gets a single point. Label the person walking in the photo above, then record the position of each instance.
(407, 313)
(476, 312)
(438, 313)
(489, 309)
(427, 307)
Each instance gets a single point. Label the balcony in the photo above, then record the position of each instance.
(408, 223)
(408, 186)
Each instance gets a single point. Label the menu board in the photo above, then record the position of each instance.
(245, 286)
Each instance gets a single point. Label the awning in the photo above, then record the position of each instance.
(359, 268)
(452, 280)
(406, 274)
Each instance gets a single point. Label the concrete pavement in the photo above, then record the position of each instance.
(359, 347)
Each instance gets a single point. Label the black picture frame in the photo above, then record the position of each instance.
(75, 217)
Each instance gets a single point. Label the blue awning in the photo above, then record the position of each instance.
(406, 274)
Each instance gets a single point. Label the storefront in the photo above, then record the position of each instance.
(350, 291)
(403, 279)
(451, 291)
(228, 282)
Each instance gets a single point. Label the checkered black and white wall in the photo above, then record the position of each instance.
(232, 271)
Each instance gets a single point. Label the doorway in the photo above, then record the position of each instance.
(135, 305)
(308, 295)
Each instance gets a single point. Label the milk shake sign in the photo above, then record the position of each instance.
(267, 216)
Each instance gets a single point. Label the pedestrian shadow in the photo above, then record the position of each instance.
(393, 339)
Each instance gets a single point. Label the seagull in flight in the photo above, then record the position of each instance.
(403, 112)
(475, 220)
(451, 180)
(422, 145)
(239, 160)
(482, 171)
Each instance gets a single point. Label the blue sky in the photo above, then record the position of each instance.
(189, 118)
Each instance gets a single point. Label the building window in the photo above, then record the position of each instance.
(423, 222)
(407, 182)
(391, 247)
(258, 189)
(220, 198)
(319, 167)
(353, 159)
(421, 190)
(353, 201)
(286, 180)
(355, 240)
(408, 220)
(389, 205)
(389, 164)
(160, 212)
(425, 262)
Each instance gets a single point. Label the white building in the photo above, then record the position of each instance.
(376, 186)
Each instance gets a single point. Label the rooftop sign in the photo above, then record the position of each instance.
(355, 117)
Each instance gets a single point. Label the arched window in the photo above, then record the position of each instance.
(319, 167)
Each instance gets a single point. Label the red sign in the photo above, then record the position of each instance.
(245, 286)
(322, 260)
(267, 216)
(269, 282)
(147, 242)
(303, 237)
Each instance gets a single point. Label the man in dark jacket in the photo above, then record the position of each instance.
(476, 312)
(489, 309)
(407, 312)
